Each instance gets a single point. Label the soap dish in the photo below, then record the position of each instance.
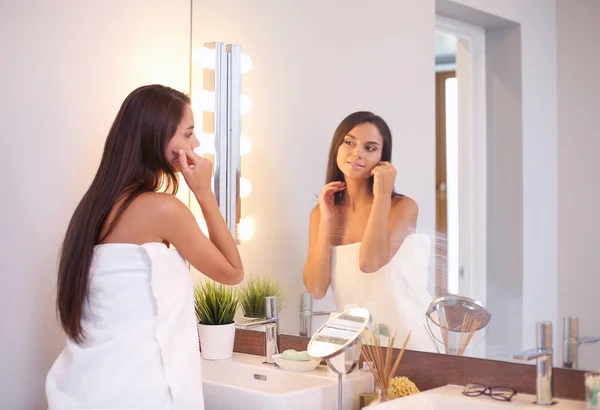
(296, 365)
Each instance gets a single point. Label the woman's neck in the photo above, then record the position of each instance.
(357, 194)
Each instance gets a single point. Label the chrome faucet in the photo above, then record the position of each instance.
(271, 323)
(572, 341)
(543, 355)
(306, 314)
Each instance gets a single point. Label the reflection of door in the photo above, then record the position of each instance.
(441, 217)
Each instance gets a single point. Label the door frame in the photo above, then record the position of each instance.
(472, 158)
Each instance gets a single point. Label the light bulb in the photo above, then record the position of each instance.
(204, 57)
(207, 145)
(245, 187)
(245, 229)
(202, 225)
(245, 104)
(207, 101)
(196, 103)
(245, 145)
(246, 63)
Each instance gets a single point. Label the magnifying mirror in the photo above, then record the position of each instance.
(459, 322)
(338, 342)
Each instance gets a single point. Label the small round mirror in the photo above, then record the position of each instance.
(459, 322)
(453, 311)
(339, 333)
(338, 343)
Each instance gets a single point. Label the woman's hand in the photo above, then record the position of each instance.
(327, 199)
(384, 177)
(197, 172)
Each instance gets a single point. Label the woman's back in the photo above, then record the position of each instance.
(141, 347)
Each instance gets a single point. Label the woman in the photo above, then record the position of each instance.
(362, 239)
(124, 298)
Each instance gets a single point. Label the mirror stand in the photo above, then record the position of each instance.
(338, 343)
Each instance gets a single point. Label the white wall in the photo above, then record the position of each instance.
(539, 156)
(315, 62)
(66, 68)
(578, 189)
(504, 190)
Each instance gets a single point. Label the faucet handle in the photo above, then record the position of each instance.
(530, 354)
(571, 327)
(543, 339)
(543, 335)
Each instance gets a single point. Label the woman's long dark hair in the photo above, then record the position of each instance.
(360, 117)
(133, 163)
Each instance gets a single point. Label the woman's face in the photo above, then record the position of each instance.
(360, 152)
(184, 138)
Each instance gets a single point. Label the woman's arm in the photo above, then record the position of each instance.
(317, 269)
(390, 221)
(217, 257)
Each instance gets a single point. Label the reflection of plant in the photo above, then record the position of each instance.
(253, 292)
(215, 303)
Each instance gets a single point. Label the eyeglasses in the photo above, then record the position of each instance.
(496, 393)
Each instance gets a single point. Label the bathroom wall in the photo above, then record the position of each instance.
(313, 64)
(66, 68)
(504, 190)
(578, 188)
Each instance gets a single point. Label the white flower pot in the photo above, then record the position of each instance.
(216, 342)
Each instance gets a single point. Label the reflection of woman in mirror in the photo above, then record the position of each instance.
(362, 233)
(124, 298)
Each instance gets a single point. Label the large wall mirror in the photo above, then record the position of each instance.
(451, 92)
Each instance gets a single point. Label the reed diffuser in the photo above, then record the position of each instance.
(466, 331)
(381, 365)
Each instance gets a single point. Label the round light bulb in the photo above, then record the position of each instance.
(246, 63)
(245, 104)
(245, 229)
(245, 187)
(245, 145)
(202, 225)
(207, 101)
(204, 57)
(207, 145)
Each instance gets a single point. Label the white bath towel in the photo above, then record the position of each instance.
(141, 346)
(396, 295)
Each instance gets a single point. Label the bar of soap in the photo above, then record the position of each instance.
(291, 354)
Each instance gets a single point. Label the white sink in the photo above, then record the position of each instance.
(451, 398)
(244, 382)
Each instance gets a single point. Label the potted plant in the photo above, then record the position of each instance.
(252, 294)
(215, 305)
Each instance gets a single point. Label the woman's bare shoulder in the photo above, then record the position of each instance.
(403, 206)
(159, 202)
(157, 209)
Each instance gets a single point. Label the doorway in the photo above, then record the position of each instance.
(461, 154)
